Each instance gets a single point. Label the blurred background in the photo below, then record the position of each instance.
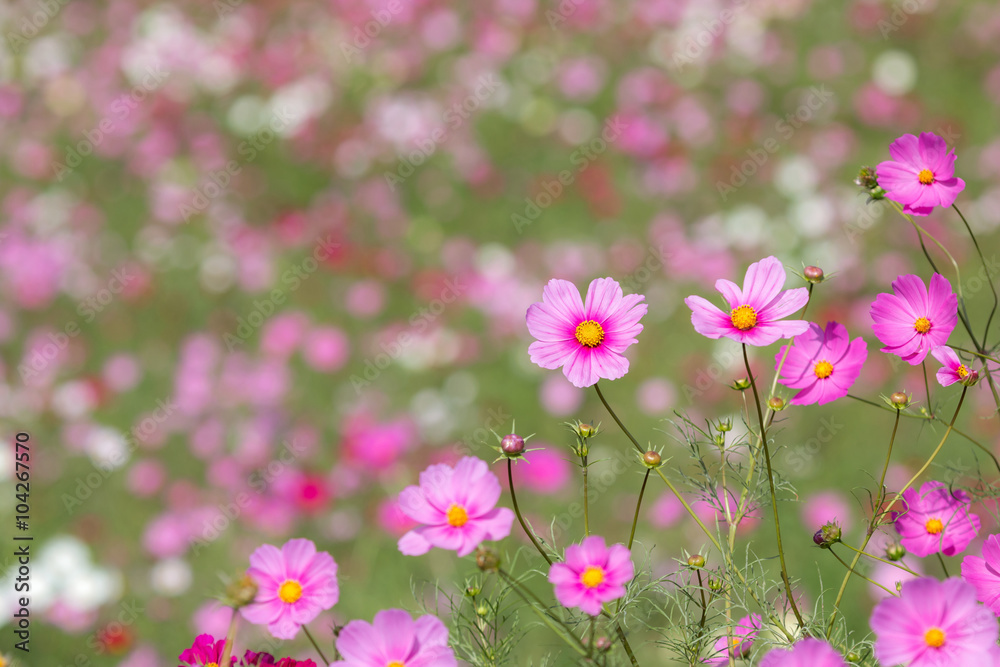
(262, 262)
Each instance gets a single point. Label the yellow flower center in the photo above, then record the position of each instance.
(926, 176)
(457, 516)
(823, 369)
(395, 663)
(735, 641)
(589, 333)
(290, 591)
(934, 526)
(922, 325)
(592, 577)
(743, 317)
(211, 664)
(934, 637)
(962, 372)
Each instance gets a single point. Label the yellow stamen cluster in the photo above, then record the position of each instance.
(592, 577)
(744, 318)
(962, 371)
(926, 176)
(290, 591)
(457, 516)
(922, 325)
(823, 369)
(589, 333)
(934, 526)
(934, 637)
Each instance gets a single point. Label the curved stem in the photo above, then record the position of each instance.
(978, 354)
(899, 566)
(315, 645)
(774, 496)
(517, 512)
(986, 269)
(927, 389)
(872, 527)
(638, 503)
(554, 624)
(635, 443)
(944, 568)
(850, 571)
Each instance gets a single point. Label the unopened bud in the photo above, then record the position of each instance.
(828, 535)
(651, 459)
(776, 403)
(852, 657)
(487, 560)
(585, 430)
(241, 592)
(813, 274)
(472, 591)
(696, 561)
(899, 400)
(512, 445)
(742, 384)
(970, 378)
(715, 584)
(895, 551)
(482, 610)
(724, 425)
(602, 644)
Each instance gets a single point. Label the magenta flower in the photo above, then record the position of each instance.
(934, 623)
(251, 659)
(823, 364)
(457, 508)
(952, 369)
(984, 573)
(205, 651)
(394, 639)
(921, 174)
(806, 653)
(592, 574)
(935, 520)
(294, 584)
(755, 312)
(586, 339)
(914, 320)
(744, 634)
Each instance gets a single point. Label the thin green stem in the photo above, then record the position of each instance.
(978, 354)
(517, 512)
(638, 504)
(774, 496)
(944, 568)
(635, 443)
(788, 348)
(850, 571)
(927, 389)
(986, 269)
(882, 560)
(315, 645)
(586, 503)
(555, 625)
(227, 649)
(704, 604)
(872, 527)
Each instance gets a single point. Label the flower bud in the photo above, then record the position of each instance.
(651, 459)
(970, 378)
(715, 584)
(828, 535)
(724, 425)
(895, 551)
(742, 384)
(866, 178)
(482, 611)
(585, 430)
(776, 403)
(241, 592)
(813, 274)
(696, 561)
(852, 657)
(602, 644)
(487, 560)
(512, 445)
(472, 591)
(899, 400)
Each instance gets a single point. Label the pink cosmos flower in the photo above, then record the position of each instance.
(935, 520)
(823, 364)
(457, 508)
(952, 369)
(295, 583)
(806, 653)
(744, 634)
(395, 639)
(205, 651)
(921, 174)
(914, 320)
(592, 574)
(934, 623)
(984, 573)
(755, 312)
(585, 339)
(251, 659)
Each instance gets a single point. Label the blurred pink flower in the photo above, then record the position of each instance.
(822, 364)
(984, 573)
(921, 174)
(456, 507)
(294, 583)
(743, 637)
(394, 638)
(592, 574)
(326, 349)
(914, 319)
(819, 508)
(666, 511)
(935, 519)
(586, 340)
(377, 445)
(392, 518)
(808, 652)
(755, 311)
(547, 471)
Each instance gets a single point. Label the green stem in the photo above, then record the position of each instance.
(774, 496)
(944, 568)
(638, 503)
(315, 645)
(882, 560)
(586, 504)
(986, 269)
(850, 571)
(872, 527)
(517, 512)
(927, 389)
(564, 632)
(227, 649)
(704, 604)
